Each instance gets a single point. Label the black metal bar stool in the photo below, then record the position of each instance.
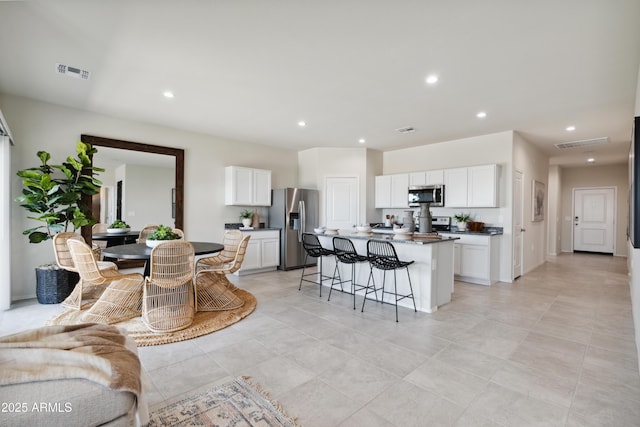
(314, 249)
(346, 253)
(382, 256)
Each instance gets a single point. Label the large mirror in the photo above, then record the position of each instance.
(141, 158)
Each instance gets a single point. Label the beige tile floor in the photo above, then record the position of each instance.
(556, 347)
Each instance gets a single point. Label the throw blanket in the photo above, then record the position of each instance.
(99, 353)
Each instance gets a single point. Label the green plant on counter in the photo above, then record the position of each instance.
(163, 233)
(463, 217)
(246, 214)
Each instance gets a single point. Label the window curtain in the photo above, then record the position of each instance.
(5, 215)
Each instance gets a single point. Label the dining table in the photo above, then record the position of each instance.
(114, 239)
(143, 252)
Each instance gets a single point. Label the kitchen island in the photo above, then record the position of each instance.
(431, 273)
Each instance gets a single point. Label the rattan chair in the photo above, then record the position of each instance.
(168, 295)
(214, 292)
(64, 260)
(382, 256)
(97, 228)
(121, 294)
(179, 233)
(146, 231)
(226, 256)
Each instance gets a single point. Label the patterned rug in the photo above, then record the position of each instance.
(234, 404)
(204, 322)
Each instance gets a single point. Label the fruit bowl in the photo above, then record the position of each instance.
(319, 230)
(118, 230)
(363, 229)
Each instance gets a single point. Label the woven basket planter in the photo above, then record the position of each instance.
(54, 284)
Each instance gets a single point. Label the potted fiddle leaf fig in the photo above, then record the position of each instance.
(53, 195)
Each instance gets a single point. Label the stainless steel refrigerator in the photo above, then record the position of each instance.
(294, 211)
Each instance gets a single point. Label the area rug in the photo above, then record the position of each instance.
(234, 404)
(205, 322)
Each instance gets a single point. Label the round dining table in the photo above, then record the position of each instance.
(142, 251)
(114, 239)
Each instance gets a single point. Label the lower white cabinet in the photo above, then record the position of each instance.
(476, 258)
(263, 252)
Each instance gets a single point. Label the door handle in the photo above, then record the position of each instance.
(522, 230)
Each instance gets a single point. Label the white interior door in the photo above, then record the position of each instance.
(594, 219)
(518, 218)
(341, 207)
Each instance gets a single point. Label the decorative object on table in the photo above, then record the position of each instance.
(363, 229)
(53, 195)
(388, 221)
(461, 220)
(319, 230)
(245, 217)
(118, 226)
(255, 219)
(162, 234)
(204, 322)
(238, 402)
(539, 196)
(408, 221)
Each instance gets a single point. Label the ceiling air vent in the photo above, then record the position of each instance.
(585, 142)
(73, 71)
(407, 129)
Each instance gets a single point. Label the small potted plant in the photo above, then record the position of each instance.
(246, 216)
(162, 234)
(118, 226)
(461, 220)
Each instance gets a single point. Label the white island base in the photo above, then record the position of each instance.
(431, 273)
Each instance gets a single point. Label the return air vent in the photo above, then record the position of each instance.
(584, 142)
(407, 129)
(73, 71)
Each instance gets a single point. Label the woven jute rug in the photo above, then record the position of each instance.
(237, 403)
(205, 322)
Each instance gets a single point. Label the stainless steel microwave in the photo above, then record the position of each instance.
(433, 194)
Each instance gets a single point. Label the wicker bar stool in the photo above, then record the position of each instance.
(314, 249)
(382, 256)
(168, 295)
(346, 253)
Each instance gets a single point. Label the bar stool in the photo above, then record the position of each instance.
(346, 253)
(314, 249)
(382, 256)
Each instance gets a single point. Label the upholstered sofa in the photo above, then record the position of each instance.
(92, 377)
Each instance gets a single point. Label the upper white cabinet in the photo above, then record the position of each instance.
(392, 191)
(247, 186)
(472, 187)
(435, 177)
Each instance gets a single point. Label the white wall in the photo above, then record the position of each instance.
(634, 257)
(41, 126)
(595, 176)
(534, 166)
(554, 220)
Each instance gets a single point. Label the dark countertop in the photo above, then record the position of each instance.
(414, 240)
(475, 233)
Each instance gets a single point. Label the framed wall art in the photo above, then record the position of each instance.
(538, 195)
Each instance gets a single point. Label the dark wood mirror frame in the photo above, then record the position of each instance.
(178, 153)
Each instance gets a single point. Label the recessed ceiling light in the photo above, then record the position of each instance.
(481, 115)
(570, 128)
(168, 94)
(302, 123)
(591, 160)
(362, 141)
(432, 79)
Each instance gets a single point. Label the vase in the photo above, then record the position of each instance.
(462, 226)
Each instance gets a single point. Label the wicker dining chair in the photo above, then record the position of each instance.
(121, 294)
(226, 256)
(98, 228)
(179, 232)
(168, 295)
(64, 260)
(146, 231)
(214, 292)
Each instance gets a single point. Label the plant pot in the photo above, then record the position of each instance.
(462, 226)
(246, 222)
(54, 284)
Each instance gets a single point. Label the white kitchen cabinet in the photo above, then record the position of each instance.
(263, 252)
(392, 191)
(418, 178)
(455, 188)
(471, 187)
(476, 258)
(247, 186)
(435, 177)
